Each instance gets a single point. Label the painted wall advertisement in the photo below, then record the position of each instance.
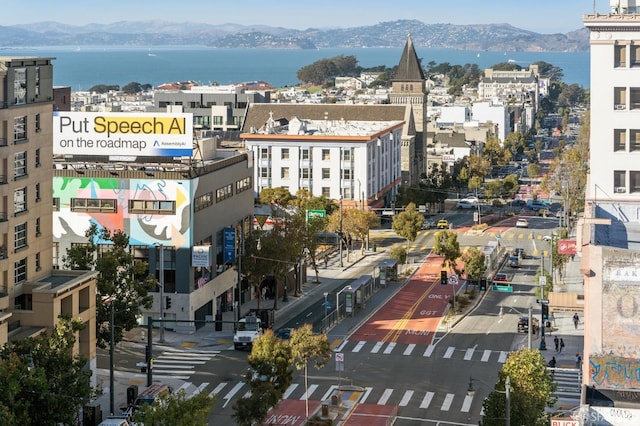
(133, 134)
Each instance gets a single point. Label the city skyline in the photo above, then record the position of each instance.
(545, 16)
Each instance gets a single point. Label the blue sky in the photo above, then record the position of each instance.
(543, 16)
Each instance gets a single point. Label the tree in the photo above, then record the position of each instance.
(408, 223)
(122, 280)
(43, 383)
(514, 143)
(323, 70)
(359, 223)
(549, 71)
(307, 347)
(399, 253)
(104, 88)
(279, 196)
(474, 265)
(132, 88)
(494, 153)
(176, 409)
(446, 244)
(269, 375)
(531, 391)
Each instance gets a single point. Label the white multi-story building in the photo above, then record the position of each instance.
(358, 161)
(609, 233)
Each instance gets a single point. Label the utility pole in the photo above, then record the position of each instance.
(340, 234)
(161, 250)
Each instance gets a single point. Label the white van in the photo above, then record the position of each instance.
(115, 421)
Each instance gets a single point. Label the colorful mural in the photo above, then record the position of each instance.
(143, 229)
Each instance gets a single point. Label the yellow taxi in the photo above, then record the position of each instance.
(443, 224)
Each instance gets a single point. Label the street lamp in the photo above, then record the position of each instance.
(160, 248)
(340, 233)
(506, 391)
(338, 301)
(326, 294)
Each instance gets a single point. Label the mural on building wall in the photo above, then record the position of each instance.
(618, 365)
(143, 229)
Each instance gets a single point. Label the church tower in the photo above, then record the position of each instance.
(408, 87)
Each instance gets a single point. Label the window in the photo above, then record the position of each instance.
(265, 154)
(20, 200)
(265, 172)
(284, 173)
(305, 154)
(38, 128)
(619, 140)
(346, 174)
(152, 206)
(19, 164)
(620, 98)
(634, 140)
(56, 204)
(20, 236)
(38, 164)
(620, 56)
(224, 193)
(243, 185)
(284, 154)
(20, 271)
(326, 154)
(634, 181)
(202, 201)
(347, 194)
(19, 128)
(93, 205)
(619, 184)
(634, 101)
(20, 86)
(326, 173)
(346, 154)
(326, 192)
(38, 231)
(305, 173)
(635, 56)
(37, 187)
(38, 265)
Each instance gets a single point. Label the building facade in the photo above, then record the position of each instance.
(32, 294)
(609, 233)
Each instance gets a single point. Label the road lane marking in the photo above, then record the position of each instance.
(446, 404)
(359, 346)
(469, 354)
(377, 347)
(485, 355)
(366, 394)
(409, 349)
(429, 350)
(406, 398)
(426, 400)
(466, 405)
(232, 393)
(309, 392)
(342, 345)
(289, 391)
(449, 352)
(328, 393)
(503, 357)
(218, 388)
(389, 348)
(385, 396)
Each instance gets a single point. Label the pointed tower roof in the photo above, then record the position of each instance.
(409, 68)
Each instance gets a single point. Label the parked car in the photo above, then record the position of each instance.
(428, 224)
(466, 204)
(522, 223)
(514, 261)
(283, 333)
(443, 224)
(523, 324)
(500, 277)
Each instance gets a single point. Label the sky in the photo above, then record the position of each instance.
(542, 16)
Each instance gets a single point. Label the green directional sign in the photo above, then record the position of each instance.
(316, 213)
(503, 288)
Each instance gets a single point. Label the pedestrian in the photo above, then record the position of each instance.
(561, 344)
(576, 320)
(552, 364)
(326, 261)
(556, 342)
(578, 361)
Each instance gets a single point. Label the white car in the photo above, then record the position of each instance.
(522, 223)
(465, 203)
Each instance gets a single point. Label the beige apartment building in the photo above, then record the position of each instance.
(32, 294)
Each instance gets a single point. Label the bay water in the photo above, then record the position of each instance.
(81, 67)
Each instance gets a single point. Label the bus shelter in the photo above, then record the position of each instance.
(357, 293)
(388, 271)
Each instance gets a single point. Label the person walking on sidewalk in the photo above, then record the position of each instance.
(552, 364)
(561, 345)
(556, 342)
(576, 320)
(578, 361)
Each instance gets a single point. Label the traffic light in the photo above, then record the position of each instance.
(168, 302)
(483, 284)
(545, 311)
(443, 277)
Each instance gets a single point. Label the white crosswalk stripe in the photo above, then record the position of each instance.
(180, 363)
(568, 386)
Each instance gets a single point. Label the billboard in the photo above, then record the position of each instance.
(566, 246)
(123, 134)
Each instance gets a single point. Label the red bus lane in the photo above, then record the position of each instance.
(412, 316)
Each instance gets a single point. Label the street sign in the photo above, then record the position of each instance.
(339, 357)
(327, 304)
(564, 422)
(316, 213)
(543, 301)
(502, 288)
(453, 279)
(542, 280)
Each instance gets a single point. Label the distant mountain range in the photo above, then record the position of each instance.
(491, 37)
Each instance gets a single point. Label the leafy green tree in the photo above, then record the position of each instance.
(399, 253)
(254, 267)
(408, 223)
(104, 88)
(533, 170)
(493, 188)
(132, 88)
(446, 244)
(174, 409)
(270, 374)
(474, 265)
(279, 196)
(359, 222)
(52, 389)
(549, 71)
(122, 280)
(531, 391)
(323, 70)
(307, 347)
(494, 153)
(437, 184)
(514, 143)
